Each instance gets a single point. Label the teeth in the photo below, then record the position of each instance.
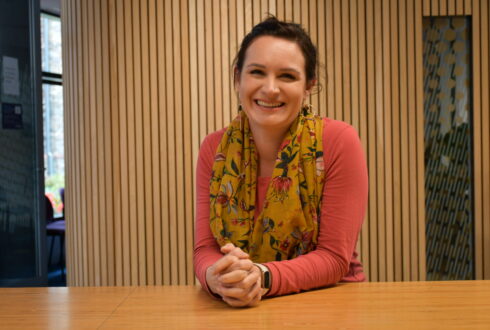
(269, 105)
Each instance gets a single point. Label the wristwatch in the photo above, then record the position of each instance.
(266, 282)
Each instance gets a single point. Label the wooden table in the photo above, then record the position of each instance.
(414, 305)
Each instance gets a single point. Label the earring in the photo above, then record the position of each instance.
(307, 109)
(240, 108)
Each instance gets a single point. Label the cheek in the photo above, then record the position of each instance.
(297, 96)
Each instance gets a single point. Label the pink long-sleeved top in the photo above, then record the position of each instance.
(342, 213)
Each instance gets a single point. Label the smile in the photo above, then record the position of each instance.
(269, 105)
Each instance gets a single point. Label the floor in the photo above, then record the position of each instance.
(56, 276)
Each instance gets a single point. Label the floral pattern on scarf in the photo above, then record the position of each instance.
(287, 226)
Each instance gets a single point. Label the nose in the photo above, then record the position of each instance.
(271, 88)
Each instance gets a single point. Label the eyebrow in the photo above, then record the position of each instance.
(281, 69)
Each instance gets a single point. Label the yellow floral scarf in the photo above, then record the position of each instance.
(288, 224)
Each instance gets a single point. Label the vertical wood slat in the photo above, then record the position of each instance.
(361, 14)
(477, 142)
(164, 166)
(426, 8)
(296, 11)
(443, 7)
(106, 165)
(312, 28)
(485, 118)
(404, 141)
(337, 60)
(95, 132)
(354, 74)
(354, 64)
(446, 7)
(467, 7)
(412, 141)
(115, 276)
(179, 162)
(371, 140)
(388, 154)
(395, 69)
(330, 65)
(86, 227)
(187, 144)
(379, 140)
(153, 78)
(121, 180)
(193, 93)
(419, 105)
(434, 11)
(346, 82)
(170, 135)
(459, 7)
(233, 36)
(155, 202)
(147, 249)
(451, 7)
(131, 89)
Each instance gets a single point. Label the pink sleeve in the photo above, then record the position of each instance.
(342, 213)
(206, 249)
(343, 208)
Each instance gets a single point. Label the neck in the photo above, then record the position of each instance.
(267, 142)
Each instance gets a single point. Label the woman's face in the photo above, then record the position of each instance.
(272, 84)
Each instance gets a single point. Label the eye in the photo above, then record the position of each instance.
(256, 72)
(288, 76)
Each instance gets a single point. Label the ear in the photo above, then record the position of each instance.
(309, 86)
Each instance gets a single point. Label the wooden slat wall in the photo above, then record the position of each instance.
(147, 80)
(481, 138)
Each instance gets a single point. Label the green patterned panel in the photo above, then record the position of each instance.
(448, 148)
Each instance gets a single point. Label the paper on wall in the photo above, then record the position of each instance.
(10, 70)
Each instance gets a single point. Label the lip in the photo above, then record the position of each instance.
(269, 108)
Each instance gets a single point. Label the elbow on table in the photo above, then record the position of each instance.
(336, 266)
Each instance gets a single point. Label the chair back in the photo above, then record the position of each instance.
(49, 211)
(62, 194)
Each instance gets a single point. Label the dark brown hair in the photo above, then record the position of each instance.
(271, 26)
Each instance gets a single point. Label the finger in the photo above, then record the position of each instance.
(234, 276)
(256, 300)
(251, 298)
(256, 291)
(224, 263)
(227, 248)
(233, 292)
(234, 302)
(236, 251)
(241, 264)
(248, 282)
(239, 279)
(237, 291)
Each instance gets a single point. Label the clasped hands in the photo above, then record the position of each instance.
(235, 278)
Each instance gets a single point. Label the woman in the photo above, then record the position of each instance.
(281, 192)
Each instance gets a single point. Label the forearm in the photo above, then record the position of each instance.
(342, 212)
(316, 269)
(204, 257)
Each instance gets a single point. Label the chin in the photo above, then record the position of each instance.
(271, 123)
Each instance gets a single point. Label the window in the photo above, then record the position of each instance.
(52, 108)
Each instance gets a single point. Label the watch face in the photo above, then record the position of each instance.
(266, 276)
(266, 280)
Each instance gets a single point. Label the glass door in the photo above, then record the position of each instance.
(22, 228)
